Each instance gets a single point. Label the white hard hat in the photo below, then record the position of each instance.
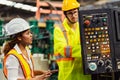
(15, 26)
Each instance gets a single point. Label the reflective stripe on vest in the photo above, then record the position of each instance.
(27, 72)
(61, 58)
(67, 49)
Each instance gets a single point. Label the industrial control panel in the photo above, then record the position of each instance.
(99, 31)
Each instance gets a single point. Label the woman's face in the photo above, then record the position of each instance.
(26, 37)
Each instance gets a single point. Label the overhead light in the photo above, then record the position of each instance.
(26, 7)
(33, 9)
(18, 5)
(10, 3)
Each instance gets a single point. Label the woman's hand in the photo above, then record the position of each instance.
(40, 77)
(47, 73)
(44, 76)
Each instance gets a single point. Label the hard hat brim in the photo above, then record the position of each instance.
(15, 26)
(6, 34)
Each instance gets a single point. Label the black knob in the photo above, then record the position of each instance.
(108, 62)
(100, 63)
(108, 68)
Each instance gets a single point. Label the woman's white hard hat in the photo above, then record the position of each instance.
(15, 26)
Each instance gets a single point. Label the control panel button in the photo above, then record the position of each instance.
(92, 66)
(87, 23)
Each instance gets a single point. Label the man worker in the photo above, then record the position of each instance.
(67, 48)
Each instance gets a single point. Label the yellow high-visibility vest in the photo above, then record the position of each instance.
(27, 71)
(68, 53)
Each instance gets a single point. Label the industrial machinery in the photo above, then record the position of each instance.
(42, 37)
(43, 43)
(1, 32)
(100, 40)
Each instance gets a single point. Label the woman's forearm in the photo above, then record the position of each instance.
(38, 72)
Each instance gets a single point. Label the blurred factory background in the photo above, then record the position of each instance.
(27, 8)
(43, 14)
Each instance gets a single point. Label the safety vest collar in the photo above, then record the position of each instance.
(16, 47)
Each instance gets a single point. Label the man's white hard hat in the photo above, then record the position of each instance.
(15, 26)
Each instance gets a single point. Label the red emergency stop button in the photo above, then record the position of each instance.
(87, 23)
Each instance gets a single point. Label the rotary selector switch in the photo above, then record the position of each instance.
(108, 62)
(100, 63)
(92, 66)
(108, 68)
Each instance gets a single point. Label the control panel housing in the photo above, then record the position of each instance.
(100, 40)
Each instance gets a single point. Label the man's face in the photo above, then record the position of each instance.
(72, 15)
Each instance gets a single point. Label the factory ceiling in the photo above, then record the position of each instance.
(27, 8)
